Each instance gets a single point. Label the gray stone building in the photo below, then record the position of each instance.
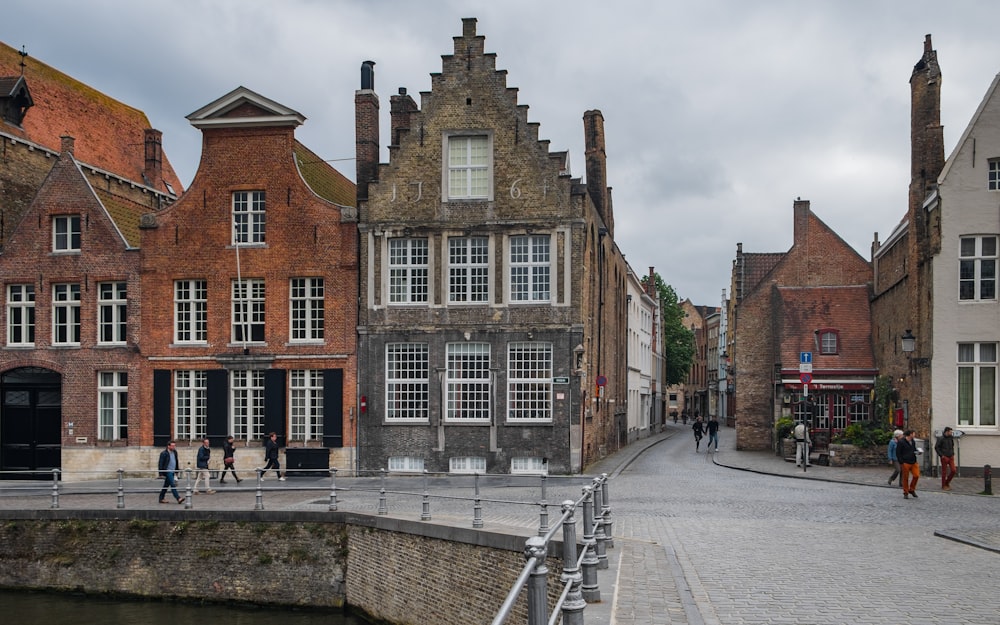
(492, 293)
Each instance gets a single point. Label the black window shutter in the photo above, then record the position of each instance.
(217, 404)
(333, 407)
(274, 403)
(161, 407)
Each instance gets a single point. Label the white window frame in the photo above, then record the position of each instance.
(249, 218)
(112, 313)
(66, 314)
(406, 464)
(977, 267)
(112, 405)
(190, 312)
(467, 465)
(468, 166)
(993, 174)
(468, 383)
(977, 370)
(246, 401)
(468, 270)
(247, 312)
(529, 465)
(305, 404)
(409, 270)
(529, 382)
(407, 382)
(21, 315)
(306, 307)
(190, 404)
(66, 233)
(829, 342)
(530, 260)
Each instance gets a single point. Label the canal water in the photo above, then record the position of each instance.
(43, 608)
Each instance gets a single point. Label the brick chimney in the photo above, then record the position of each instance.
(152, 171)
(366, 135)
(801, 224)
(651, 283)
(597, 167)
(66, 144)
(401, 109)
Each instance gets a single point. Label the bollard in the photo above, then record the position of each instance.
(599, 537)
(121, 488)
(606, 512)
(55, 488)
(537, 583)
(188, 502)
(572, 608)
(987, 480)
(333, 489)
(543, 520)
(477, 507)
(383, 507)
(259, 503)
(591, 590)
(425, 509)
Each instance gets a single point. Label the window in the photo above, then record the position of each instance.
(407, 271)
(406, 381)
(977, 268)
(529, 465)
(190, 311)
(468, 167)
(248, 311)
(66, 233)
(249, 219)
(994, 174)
(467, 464)
(65, 314)
(977, 384)
(306, 404)
(307, 309)
(468, 269)
(829, 342)
(406, 464)
(190, 404)
(21, 315)
(529, 382)
(112, 318)
(839, 414)
(247, 395)
(468, 382)
(529, 268)
(112, 398)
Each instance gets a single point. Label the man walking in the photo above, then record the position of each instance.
(906, 451)
(167, 466)
(801, 434)
(713, 433)
(204, 457)
(945, 449)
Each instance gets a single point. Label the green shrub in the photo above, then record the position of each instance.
(864, 434)
(783, 427)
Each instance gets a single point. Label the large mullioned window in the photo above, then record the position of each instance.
(307, 309)
(190, 311)
(112, 405)
(468, 167)
(529, 268)
(468, 269)
(20, 315)
(408, 271)
(529, 382)
(190, 404)
(407, 381)
(112, 312)
(306, 404)
(977, 384)
(249, 218)
(468, 382)
(65, 314)
(977, 268)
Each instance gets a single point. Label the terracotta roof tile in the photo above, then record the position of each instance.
(804, 310)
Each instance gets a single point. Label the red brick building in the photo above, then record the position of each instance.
(249, 285)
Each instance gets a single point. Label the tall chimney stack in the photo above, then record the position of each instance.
(597, 166)
(366, 135)
(153, 168)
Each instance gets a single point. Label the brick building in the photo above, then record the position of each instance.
(813, 298)
(249, 283)
(493, 295)
(69, 215)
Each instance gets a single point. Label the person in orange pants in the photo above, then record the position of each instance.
(945, 448)
(906, 451)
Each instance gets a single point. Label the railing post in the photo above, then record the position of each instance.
(188, 502)
(333, 489)
(987, 480)
(606, 512)
(543, 520)
(477, 507)
(121, 488)
(259, 503)
(383, 507)
(537, 582)
(425, 510)
(599, 537)
(55, 488)
(590, 589)
(572, 608)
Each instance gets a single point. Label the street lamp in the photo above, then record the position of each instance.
(909, 343)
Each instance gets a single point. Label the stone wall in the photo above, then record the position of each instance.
(386, 568)
(851, 456)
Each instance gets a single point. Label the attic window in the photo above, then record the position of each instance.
(468, 101)
(994, 174)
(829, 341)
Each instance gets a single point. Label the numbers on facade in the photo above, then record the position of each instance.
(515, 189)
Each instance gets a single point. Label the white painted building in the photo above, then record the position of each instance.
(643, 386)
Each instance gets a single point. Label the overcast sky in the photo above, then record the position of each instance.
(718, 114)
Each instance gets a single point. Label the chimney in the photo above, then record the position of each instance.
(801, 224)
(597, 166)
(401, 108)
(926, 132)
(651, 283)
(66, 144)
(152, 171)
(366, 109)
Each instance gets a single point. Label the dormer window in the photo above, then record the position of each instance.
(15, 99)
(66, 233)
(829, 342)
